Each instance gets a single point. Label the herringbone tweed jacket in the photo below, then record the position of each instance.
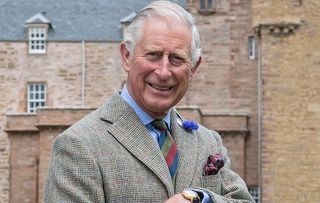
(109, 156)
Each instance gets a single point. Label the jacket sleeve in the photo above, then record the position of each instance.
(233, 188)
(74, 175)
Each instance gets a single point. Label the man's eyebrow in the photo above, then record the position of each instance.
(179, 54)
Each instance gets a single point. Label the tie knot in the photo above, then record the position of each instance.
(159, 124)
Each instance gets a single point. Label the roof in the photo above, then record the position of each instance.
(70, 20)
(38, 18)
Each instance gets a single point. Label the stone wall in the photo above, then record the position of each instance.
(24, 158)
(291, 99)
(226, 83)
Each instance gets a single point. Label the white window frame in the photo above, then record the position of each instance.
(36, 96)
(255, 193)
(37, 40)
(251, 47)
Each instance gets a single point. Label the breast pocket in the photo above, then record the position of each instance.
(212, 183)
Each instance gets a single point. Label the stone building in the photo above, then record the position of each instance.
(258, 86)
(290, 86)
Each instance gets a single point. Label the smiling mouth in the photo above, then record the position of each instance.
(160, 88)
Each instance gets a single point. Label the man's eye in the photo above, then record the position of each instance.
(176, 60)
(154, 55)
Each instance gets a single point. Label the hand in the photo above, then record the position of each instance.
(177, 198)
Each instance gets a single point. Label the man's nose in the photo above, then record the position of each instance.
(163, 69)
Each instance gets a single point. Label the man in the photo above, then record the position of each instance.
(118, 153)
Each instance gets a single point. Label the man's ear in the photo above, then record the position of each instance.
(125, 55)
(195, 68)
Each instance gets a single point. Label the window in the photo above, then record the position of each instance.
(37, 40)
(251, 48)
(255, 193)
(297, 2)
(206, 5)
(36, 96)
(38, 27)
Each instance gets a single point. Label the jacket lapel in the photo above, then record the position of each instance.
(132, 134)
(187, 144)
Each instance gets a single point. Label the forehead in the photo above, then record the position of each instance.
(162, 31)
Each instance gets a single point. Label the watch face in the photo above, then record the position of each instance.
(191, 193)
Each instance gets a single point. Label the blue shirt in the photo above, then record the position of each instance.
(143, 116)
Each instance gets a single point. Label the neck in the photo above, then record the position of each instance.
(157, 115)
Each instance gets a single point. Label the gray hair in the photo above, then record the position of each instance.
(162, 9)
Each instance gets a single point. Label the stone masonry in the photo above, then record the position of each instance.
(289, 32)
(226, 83)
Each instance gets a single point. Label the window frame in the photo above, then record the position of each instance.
(36, 96)
(207, 9)
(38, 40)
(251, 47)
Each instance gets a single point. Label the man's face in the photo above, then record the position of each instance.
(160, 68)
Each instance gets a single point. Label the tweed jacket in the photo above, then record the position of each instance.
(109, 156)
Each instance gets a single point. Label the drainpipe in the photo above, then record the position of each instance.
(260, 113)
(83, 79)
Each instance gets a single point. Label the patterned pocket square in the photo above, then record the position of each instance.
(213, 165)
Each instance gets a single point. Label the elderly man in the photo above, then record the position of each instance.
(136, 147)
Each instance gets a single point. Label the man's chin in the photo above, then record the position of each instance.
(159, 110)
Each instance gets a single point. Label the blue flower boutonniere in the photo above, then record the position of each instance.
(190, 125)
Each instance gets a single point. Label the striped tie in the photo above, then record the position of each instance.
(168, 146)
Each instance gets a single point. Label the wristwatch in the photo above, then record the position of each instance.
(191, 195)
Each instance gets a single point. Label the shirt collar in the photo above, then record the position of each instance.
(142, 115)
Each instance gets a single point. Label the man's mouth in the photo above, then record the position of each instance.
(161, 88)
